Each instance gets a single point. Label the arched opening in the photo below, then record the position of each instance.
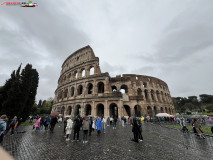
(80, 89)
(88, 109)
(113, 110)
(169, 111)
(68, 77)
(152, 95)
(124, 89)
(78, 110)
(161, 110)
(75, 74)
(162, 96)
(83, 73)
(100, 110)
(158, 96)
(166, 110)
(146, 94)
(114, 89)
(144, 84)
(100, 87)
(69, 110)
(65, 93)
(149, 111)
(89, 88)
(91, 71)
(62, 110)
(139, 92)
(155, 110)
(127, 111)
(137, 109)
(72, 91)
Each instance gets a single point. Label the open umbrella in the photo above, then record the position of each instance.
(54, 114)
(163, 115)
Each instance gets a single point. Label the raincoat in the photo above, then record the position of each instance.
(37, 124)
(69, 126)
(98, 124)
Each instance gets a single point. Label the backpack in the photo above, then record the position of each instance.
(13, 122)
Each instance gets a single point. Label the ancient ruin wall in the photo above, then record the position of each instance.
(83, 89)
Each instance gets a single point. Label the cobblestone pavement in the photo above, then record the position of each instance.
(159, 143)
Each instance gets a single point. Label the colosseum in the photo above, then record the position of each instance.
(84, 90)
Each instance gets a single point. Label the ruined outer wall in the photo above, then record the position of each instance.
(83, 91)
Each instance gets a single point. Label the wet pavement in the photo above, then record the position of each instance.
(159, 143)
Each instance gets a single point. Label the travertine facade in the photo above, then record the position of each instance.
(83, 89)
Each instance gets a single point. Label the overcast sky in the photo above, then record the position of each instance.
(168, 39)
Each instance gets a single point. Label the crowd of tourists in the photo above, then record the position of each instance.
(8, 125)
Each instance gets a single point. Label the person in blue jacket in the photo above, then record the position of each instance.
(98, 124)
(3, 126)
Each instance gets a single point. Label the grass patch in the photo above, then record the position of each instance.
(26, 123)
(205, 129)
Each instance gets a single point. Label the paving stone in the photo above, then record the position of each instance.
(159, 143)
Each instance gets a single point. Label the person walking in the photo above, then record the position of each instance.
(77, 125)
(37, 124)
(140, 137)
(12, 125)
(85, 126)
(108, 121)
(104, 124)
(69, 129)
(3, 127)
(47, 122)
(114, 122)
(59, 121)
(65, 124)
(42, 122)
(53, 122)
(183, 124)
(98, 124)
(135, 129)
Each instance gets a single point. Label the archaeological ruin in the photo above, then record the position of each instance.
(84, 90)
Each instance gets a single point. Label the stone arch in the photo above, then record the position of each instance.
(155, 110)
(77, 110)
(149, 111)
(125, 88)
(69, 110)
(100, 109)
(88, 109)
(91, 70)
(152, 95)
(80, 89)
(89, 88)
(137, 110)
(162, 95)
(113, 110)
(158, 95)
(100, 87)
(127, 111)
(166, 110)
(114, 89)
(161, 110)
(144, 84)
(72, 92)
(62, 110)
(75, 75)
(139, 92)
(83, 72)
(66, 93)
(146, 94)
(69, 76)
(169, 111)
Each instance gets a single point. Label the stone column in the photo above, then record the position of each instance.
(94, 113)
(95, 88)
(149, 96)
(106, 109)
(73, 110)
(132, 111)
(155, 96)
(143, 94)
(83, 110)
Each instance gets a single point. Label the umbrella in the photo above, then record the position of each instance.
(210, 120)
(67, 116)
(54, 114)
(163, 115)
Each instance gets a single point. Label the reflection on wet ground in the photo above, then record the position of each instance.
(159, 143)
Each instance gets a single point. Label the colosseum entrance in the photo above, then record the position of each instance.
(137, 109)
(88, 110)
(78, 110)
(100, 110)
(69, 111)
(127, 111)
(113, 110)
(149, 111)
